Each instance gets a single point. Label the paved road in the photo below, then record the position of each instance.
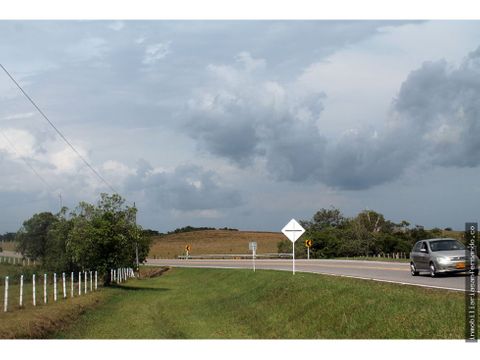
(372, 270)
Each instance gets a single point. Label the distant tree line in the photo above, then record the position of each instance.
(7, 237)
(193, 228)
(184, 229)
(367, 234)
(100, 237)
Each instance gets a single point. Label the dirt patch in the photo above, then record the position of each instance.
(151, 272)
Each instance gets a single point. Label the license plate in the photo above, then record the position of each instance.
(460, 265)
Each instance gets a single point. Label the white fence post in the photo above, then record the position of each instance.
(111, 275)
(72, 280)
(85, 281)
(115, 275)
(64, 286)
(96, 281)
(44, 288)
(54, 286)
(5, 299)
(91, 282)
(34, 293)
(21, 291)
(79, 283)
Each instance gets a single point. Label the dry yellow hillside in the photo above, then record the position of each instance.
(214, 242)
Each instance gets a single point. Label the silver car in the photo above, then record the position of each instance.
(439, 256)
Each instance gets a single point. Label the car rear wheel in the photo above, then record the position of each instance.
(433, 270)
(413, 269)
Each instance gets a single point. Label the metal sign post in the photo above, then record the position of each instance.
(308, 244)
(293, 230)
(253, 246)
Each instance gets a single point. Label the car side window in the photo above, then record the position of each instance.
(417, 247)
(424, 246)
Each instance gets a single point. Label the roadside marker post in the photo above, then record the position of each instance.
(96, 281)
(5, 299)
(79, 283)
(34, 291)
(85, 282)
(21, 291)
(91, 282)
(44, 288)
(64, 286)
(293, 230)
(253, 247)
(72, 280)
(54, 286)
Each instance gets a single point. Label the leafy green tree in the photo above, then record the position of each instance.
(324, 218)
(105, 236)
(57, 258)
(32, 238)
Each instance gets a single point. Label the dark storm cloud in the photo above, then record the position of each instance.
(435, 118)
(186, 188)
(441, 104)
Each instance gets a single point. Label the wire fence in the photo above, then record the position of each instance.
(38, 289)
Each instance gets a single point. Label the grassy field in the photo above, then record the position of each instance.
(214, 242)
(239, 304)
(10, 245)
(230, 242)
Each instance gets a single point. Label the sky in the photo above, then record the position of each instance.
(244, 124)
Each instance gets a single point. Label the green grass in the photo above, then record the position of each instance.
(240, 304)
(41, 320)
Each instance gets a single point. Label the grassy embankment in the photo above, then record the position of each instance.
(231, 304)
(41, 320)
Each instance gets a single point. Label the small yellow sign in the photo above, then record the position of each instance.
(188, 248)
(308, 243)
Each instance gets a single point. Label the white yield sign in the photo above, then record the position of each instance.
(293, 230)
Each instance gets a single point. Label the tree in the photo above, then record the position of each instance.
(33, 236)
(105, 236)
(57, 258)
(324, 218)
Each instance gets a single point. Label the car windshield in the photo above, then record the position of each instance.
(446, 245)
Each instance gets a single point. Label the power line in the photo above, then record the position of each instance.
(59, 132)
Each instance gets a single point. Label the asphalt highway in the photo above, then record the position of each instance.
(393, 272)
